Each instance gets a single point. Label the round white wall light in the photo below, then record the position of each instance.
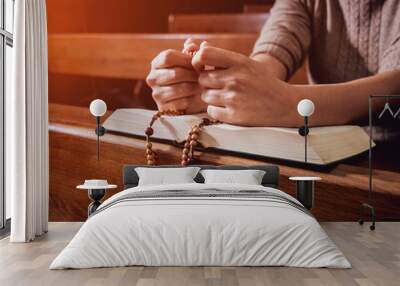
(98, 107)
(305, 108)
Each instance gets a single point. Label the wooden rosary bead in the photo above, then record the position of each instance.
(149, 131)
(206, 121)
(192, 140)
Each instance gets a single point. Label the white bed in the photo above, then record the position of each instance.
(205, 230)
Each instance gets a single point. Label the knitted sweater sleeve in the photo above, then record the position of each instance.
(391, 57)
(287, 33)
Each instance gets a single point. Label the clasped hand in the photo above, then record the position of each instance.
(238, 90)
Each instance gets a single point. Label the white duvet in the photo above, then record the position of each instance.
(200, 231)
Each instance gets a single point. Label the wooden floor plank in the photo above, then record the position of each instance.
(375, 257)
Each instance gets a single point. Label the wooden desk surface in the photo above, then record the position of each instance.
(73, 159)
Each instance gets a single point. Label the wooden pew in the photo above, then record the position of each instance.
(73, 159)
(126, 55)
(217, 23)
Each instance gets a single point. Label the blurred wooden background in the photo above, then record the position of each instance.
(67, 17)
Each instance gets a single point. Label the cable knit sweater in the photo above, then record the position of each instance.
(343, 39)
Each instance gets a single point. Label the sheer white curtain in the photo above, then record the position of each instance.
(27, 122)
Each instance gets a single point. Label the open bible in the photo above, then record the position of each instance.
(326, 145)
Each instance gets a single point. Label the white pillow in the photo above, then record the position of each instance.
(165, 176)
(248, 177)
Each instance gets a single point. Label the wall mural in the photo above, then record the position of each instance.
(116, 99)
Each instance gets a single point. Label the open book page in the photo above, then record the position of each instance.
(325, 144)
(135, 121)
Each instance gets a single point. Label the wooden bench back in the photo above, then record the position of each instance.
(126, 56)
(217, 23)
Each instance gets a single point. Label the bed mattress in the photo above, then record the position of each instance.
(201, 225)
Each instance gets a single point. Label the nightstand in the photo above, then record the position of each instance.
(96, 190)
(305, 190)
